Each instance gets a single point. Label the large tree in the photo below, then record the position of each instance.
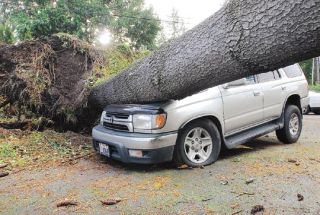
(129, 20)
(245, 37)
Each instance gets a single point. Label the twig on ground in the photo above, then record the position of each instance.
(110, 201)
(205, 200)
(237, 212)
(243, 193)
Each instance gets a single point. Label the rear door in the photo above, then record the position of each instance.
(242, 104)
(271, 84)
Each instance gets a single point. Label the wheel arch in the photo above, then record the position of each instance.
(293, 99)
(213, 119)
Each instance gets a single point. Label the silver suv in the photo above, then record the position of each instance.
(192, 130)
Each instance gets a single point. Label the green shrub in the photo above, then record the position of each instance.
(315, 87)
(118, 58)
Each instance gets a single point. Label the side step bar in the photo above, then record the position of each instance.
(247, 135)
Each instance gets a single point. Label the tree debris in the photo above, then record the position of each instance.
(111, 201)
(3, 174)
(250, 180)
(67, 202)
(224, 182)
(290, 160)
(257, 208)
(207, 199)
(243, 193)
(3, 165)
(300, 197)
(235, 205)
(184, 166)
(237, 212)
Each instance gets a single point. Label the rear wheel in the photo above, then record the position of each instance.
(316, 112)
(307, 110)
(198, 144)
(291, 131)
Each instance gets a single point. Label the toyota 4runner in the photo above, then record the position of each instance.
(192, 130)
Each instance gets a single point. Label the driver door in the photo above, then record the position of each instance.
(242, 104)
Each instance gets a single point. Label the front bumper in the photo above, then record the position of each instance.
(156, 148)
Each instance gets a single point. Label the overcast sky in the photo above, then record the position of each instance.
(192, 11)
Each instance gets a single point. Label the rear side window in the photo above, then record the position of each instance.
(293, 71)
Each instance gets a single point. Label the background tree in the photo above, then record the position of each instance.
(171, 28)
(307, 69)
(176, 26)
(127, 19)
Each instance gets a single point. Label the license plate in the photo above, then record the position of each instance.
(104, 149)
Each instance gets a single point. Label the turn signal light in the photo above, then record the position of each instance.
(160, 120)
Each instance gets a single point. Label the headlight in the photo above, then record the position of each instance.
(102, 115)
(143, 121)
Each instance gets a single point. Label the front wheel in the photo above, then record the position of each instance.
(291, 130)
(198, 144)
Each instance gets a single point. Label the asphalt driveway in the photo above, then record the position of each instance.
(284, 179)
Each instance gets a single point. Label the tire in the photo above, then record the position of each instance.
(190, 145)
(308, 110)
(290, 133)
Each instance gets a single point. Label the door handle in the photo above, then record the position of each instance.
(256, 93)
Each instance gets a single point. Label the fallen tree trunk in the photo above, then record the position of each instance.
(245, 37)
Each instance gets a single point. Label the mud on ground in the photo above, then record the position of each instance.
(262, 172)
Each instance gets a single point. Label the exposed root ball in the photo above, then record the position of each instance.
(49, 77)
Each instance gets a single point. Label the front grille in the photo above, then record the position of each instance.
(118, 116)
(115, 126)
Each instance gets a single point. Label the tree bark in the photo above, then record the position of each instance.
(245, 37)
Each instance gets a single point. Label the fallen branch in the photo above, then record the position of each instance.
(110, 201)
(3, 165)
(3, 174)
(66, 203)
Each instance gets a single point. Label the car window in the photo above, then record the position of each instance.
(269, 76)
(293, 71)
(266, 77)
(250, 80)
(242, 82)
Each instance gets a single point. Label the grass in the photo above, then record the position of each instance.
(6, 150)
(25, 149)
(315, 87)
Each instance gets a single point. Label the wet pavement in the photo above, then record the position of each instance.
(263, 172)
